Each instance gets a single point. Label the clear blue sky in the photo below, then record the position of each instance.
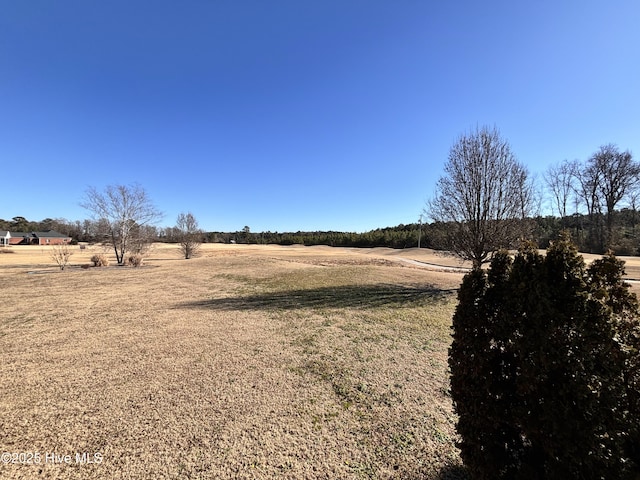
(299, 115)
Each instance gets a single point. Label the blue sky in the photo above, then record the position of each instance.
(291, 115)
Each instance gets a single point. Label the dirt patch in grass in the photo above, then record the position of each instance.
(264, 363)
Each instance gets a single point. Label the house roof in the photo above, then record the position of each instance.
(49, 234)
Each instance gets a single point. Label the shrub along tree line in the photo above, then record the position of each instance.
(545, 367)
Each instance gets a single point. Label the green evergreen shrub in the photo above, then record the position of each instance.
(545, 367)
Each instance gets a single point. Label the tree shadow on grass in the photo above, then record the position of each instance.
(446, 472)
(453, 472)
(347, 296)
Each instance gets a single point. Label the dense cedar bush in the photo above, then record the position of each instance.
(545, 368)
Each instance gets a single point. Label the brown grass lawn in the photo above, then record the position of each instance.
(247, 362)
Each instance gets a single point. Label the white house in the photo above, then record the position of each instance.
(4, 238)
(50, 237)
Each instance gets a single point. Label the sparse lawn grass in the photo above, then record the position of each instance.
(243, 363)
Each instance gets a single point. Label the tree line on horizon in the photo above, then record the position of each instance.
(581, 227)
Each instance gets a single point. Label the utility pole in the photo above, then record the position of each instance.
(420, 231)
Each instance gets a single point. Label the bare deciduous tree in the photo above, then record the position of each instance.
(125, 210)
(616, 175)
(142, 240)
(61, 254)
(587, 193)
(608, 177)
(634, 202)
(561, 180)
(485, 197)
(189, 234)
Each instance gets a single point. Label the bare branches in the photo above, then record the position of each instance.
(608, 177)
(561, 181)
(61, 254)
(485, 193)
(127, 210)
(616, 175)
(189, 234)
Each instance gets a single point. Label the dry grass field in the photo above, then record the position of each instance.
(247, 362)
